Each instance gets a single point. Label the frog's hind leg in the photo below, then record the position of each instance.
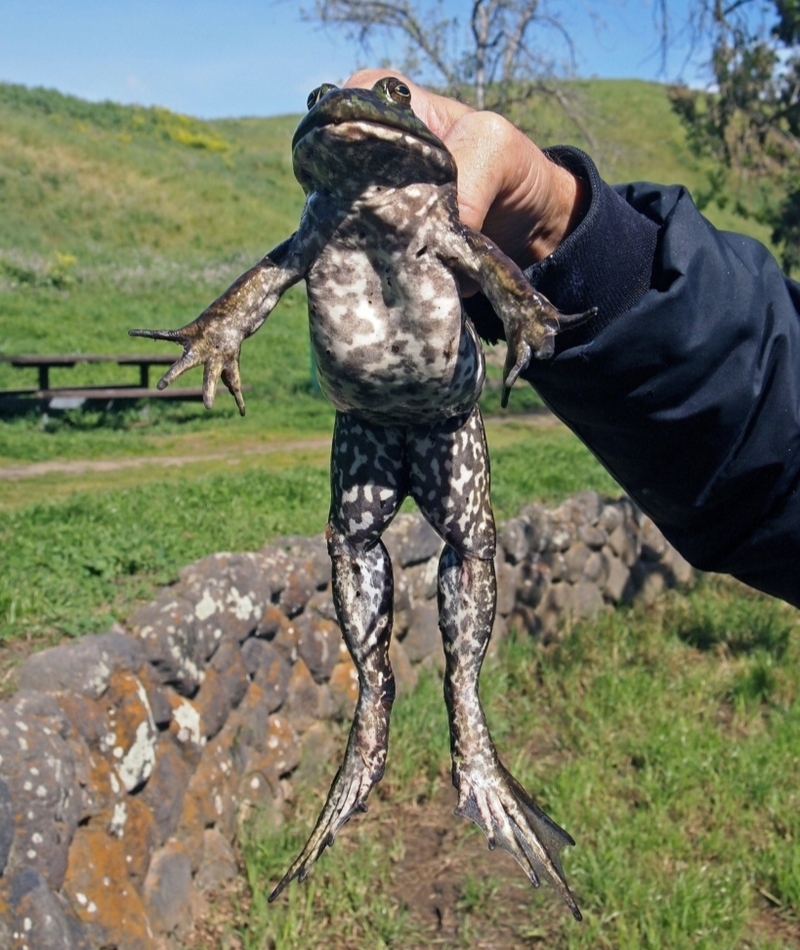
(450, 482)
(367, 486)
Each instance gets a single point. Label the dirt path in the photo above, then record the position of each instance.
(15, 473)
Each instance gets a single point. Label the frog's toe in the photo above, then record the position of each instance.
(569, 320)
(348, 795)
(511, 820)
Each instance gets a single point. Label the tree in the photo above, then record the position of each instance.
(749, 119)
(499, 59)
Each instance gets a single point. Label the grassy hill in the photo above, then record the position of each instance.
(118, 216)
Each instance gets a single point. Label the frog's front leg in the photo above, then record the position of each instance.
(450, 482)
(214, 339)
(367, 486)
(530, 321)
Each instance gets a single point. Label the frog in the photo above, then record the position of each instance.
(384, 255)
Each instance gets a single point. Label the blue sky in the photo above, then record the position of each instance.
(211, 58)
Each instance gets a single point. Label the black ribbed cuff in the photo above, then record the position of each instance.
(606, 262)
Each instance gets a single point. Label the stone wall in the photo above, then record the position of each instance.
(129, 758)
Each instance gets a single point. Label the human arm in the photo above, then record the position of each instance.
(685, 384)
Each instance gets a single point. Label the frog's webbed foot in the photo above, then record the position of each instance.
(201, 349)
(492, 798)
(531, 331)
(347, 795)
(487, 793)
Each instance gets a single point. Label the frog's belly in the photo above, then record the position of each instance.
(402, 353)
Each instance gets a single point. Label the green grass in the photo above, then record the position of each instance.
(72, 564)
(680, 788)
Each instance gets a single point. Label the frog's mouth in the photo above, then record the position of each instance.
(364, 151)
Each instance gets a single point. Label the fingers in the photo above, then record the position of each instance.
(211, 374)
(232, 379)
(171, 335)
(187, 361)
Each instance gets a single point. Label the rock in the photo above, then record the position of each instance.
(228, 662)
(167, 629)
(163, 794)
(212, 703)
(409, 539)
(405, 676)
(534, 581)
(343, 686)
(267, 667)
(680, 569)
(35, 918)
(39, 774)
(270, 622)
(219, 862)
(423, 638)
(318, 750)
(575, 561)
(617, 586)
(6, 825)
(585, 600)
(313, 554)
(610, 518)
(287, 639)
(541, 527)
(229, 593)
(422, 580)
(167, 890)
(83, 666)
(584, 508)
(624, 543)
(131, 740)
(101, 895)
(596, 568)
(508, 578)
(648, 581)
(280, 753)
(156, 696)
(300, 585)
(211, 792)
(249, 723)
(140, 836)
(515, 539)
(306, 700)
(185, 728)
(321, 603)
(318, 647)
(592, 536)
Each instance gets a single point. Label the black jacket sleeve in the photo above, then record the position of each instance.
(686, 385)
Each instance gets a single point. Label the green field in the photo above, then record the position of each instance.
(117, 217)
(665, 738)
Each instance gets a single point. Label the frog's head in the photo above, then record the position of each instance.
(353, 138)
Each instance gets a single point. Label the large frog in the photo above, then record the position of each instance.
(381, 249)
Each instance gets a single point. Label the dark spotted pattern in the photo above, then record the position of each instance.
(380, 246)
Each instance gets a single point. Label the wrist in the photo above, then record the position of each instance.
(567, 201)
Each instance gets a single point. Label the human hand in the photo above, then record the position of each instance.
(507, 187)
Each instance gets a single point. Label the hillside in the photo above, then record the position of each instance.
(117, 216)
(105, 182)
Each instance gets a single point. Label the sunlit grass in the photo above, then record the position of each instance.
(683, 801)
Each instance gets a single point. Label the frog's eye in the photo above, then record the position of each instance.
(316, 94)
(398, 91)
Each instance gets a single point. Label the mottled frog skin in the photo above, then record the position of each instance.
(381, 249)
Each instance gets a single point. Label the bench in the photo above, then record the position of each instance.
(75, 396)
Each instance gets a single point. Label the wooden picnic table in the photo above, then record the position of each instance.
(44, 363)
